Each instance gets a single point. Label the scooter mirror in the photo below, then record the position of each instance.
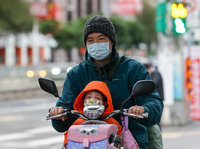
(140, 88)
(143, 87)
(48, 86)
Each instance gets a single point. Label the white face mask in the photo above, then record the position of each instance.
(93, 108)
(93, 112)
(99, 51)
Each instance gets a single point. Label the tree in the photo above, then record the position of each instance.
(49, 26)
(128, 32)
(70, 35)
(147, 19)
(15, 16)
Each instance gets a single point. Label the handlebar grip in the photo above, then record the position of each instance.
(145, 115)
(48, 117)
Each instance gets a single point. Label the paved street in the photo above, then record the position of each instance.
(183, 137)
(23, 126)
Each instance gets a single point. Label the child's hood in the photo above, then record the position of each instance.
(94, 85)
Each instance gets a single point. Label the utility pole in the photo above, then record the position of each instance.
(106, 7)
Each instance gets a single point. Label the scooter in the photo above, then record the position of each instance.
(96, 133)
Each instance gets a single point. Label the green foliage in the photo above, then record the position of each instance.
(15, 16)
(147, 18)
(128, 32)
(136, 32)
(70, 35)
(49, 26)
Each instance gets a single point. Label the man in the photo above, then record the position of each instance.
(156, 77)
(103, 63)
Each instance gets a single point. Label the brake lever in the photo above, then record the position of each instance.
(65, 113)
(48, 117)
(144, 115)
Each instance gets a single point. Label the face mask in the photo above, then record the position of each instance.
(93, 108)
(92, 102)
(99, 51)
(93, 112)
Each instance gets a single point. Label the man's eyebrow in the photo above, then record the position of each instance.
(102, 35)
(89, 37)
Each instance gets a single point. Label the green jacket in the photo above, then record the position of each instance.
(127, 72)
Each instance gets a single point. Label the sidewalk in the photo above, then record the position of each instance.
(23, 88)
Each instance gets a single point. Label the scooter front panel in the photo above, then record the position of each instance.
(93, 145)
(93, 132)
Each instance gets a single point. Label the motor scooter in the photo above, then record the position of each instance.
(96, 133)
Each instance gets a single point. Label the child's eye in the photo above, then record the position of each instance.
(88, 97)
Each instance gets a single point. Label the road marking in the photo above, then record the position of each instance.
(35, 143)
(27, 108)
(10, 118)
(169, 135)
(27, 133)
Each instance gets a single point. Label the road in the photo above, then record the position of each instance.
(23, 126)
(182, 137)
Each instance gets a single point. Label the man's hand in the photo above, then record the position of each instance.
(57, 110)
(136, 110)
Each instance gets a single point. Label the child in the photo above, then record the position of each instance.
(95, 93)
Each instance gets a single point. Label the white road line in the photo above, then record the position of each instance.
(45, 129)
(27, 108)
(35, 143)
(27, 134)
(9, 118)
(180, 134)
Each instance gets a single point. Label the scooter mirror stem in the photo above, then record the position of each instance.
(122, 106)
(68, 106)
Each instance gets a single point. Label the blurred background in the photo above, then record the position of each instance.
(43, 38)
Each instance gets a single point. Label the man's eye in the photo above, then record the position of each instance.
(89, 40)
(101, 38)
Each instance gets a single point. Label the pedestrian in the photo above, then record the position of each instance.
(156, 77)
(103, 63)
(95, 93)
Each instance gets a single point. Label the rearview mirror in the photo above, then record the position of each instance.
(143, 87)
(48, 86)
(140, 88)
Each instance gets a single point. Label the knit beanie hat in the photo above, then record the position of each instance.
(100, 24)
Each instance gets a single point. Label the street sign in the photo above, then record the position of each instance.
(160, 17)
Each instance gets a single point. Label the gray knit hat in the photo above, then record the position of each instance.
(100, 24)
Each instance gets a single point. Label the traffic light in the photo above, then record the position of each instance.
(179, 14)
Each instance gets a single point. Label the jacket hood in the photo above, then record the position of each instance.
(94, 85)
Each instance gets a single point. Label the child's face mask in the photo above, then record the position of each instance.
(93, 108)
(92, 102)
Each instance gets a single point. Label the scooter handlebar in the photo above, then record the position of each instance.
(74, 112)
(66, 113)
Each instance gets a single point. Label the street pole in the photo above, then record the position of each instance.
(106, 7)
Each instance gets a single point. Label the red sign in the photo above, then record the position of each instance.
(39, 9)
(195, 107)
(46, 10)
(126, 7)
(192, 77)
